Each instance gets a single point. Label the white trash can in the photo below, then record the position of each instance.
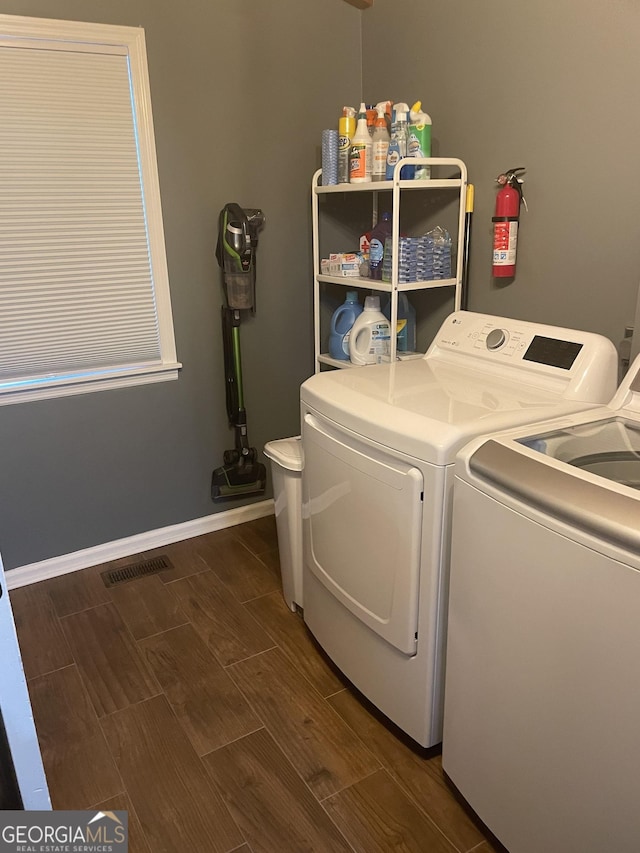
(286, 471)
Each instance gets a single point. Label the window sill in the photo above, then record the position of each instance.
(47, 387)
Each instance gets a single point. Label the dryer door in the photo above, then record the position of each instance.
(362, 511)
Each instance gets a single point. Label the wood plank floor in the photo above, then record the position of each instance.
(199, 702)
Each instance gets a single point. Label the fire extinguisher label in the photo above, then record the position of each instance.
(505, 240)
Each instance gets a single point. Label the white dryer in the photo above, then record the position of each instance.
(542, 698)
(379, 444)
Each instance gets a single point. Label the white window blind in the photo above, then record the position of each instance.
(84, 295)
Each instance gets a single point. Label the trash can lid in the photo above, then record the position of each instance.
(286, 452)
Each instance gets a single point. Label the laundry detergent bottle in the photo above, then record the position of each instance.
(341, 323)
(369, 341)
(406, 323)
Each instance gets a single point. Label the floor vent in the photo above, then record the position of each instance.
(136, 570)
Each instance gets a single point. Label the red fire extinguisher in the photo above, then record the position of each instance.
(505, 223)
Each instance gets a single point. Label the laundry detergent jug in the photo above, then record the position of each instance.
(341, 323)
(369, 341)
(406, 323)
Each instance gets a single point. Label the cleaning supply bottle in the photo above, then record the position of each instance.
(379, 234)
(370, 336)
(388, 110)
(361, 151)
(341, 323)
(398, 144)
(371, 118)
(405, 324)
(380, 142)
(420, 139)
(346, 129)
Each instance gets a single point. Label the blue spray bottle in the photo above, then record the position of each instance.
(399, 142)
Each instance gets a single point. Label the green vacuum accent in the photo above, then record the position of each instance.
(240, 475)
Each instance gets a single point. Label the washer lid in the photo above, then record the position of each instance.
(429, 409)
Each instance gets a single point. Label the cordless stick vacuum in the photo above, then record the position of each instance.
(241, 475)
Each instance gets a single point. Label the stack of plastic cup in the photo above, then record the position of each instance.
(329, 157)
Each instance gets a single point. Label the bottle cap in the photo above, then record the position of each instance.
(418, 115)
(372, 303)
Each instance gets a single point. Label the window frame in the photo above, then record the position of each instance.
(18, 31)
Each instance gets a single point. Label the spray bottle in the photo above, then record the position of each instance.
(360, 156)
(371, 118)
(346, 129)
(388, 109)
(398, 145)
(420, 139)
(380, 142)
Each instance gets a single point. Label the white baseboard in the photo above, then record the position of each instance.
(66, 563)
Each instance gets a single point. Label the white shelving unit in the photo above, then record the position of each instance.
(397, 187)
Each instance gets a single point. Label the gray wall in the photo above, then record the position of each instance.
(551, 85)
(241, 91)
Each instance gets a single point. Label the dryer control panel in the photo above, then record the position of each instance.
(473, 332)
(556, 352)
(543, 353)
(553, 351)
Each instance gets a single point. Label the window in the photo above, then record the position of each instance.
(84, 291)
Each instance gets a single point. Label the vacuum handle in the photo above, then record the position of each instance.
(232, 363)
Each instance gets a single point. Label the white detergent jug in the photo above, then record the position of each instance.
(369, 342)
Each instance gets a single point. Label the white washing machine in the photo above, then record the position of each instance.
(542, 697)
(379, 444)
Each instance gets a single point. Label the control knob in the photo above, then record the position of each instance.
(496, 338)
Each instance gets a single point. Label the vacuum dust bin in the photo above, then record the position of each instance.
(286, 471)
